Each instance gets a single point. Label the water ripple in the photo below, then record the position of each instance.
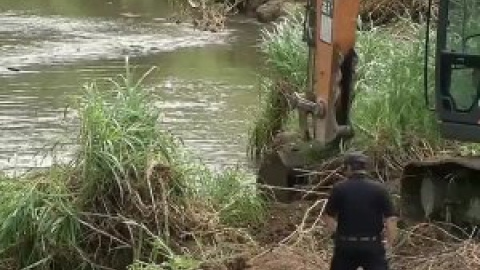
(58, 40)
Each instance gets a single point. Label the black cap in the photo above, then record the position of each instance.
(356, 157)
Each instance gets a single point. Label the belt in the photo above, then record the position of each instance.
(358, 238)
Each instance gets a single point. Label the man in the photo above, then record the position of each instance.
(357, 213)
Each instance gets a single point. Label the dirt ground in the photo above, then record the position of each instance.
(276, 253)
(280, 254)
(283, 219)
(284, 258)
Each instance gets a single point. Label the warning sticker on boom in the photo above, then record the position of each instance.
(326, 31)
(326, 21)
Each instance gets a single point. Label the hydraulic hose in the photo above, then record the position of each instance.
(427, 48)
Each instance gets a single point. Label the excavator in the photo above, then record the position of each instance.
(445, 189)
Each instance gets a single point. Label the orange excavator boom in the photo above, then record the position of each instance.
(330, 28)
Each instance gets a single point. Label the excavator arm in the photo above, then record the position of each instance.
(330, 30)
(324, 108)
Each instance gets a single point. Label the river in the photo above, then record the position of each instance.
(207, 82)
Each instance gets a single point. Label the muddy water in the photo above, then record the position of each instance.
(50, 48)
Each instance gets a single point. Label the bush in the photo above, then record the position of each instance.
(133, 194)
(120, 135)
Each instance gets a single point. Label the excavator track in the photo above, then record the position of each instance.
(446, 190)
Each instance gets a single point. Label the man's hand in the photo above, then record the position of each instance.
(331, 224)
(388, 248)
(391, 230)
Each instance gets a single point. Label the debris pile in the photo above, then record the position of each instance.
(307, 245)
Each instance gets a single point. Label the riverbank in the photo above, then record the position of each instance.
(212, 16)
(270, 10)
(378, 12)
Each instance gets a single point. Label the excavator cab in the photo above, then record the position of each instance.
(457, 76)
(449, 189)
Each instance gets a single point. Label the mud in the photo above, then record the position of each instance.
(283, 220)
(291, 259)
(274, 253)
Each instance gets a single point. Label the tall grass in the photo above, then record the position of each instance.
(286, 72)
(230, 192)
(272, 118)
(389, 109)
(131, 170)
(235, 199)
(39, 228)
(286, 52)
(119, 136)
